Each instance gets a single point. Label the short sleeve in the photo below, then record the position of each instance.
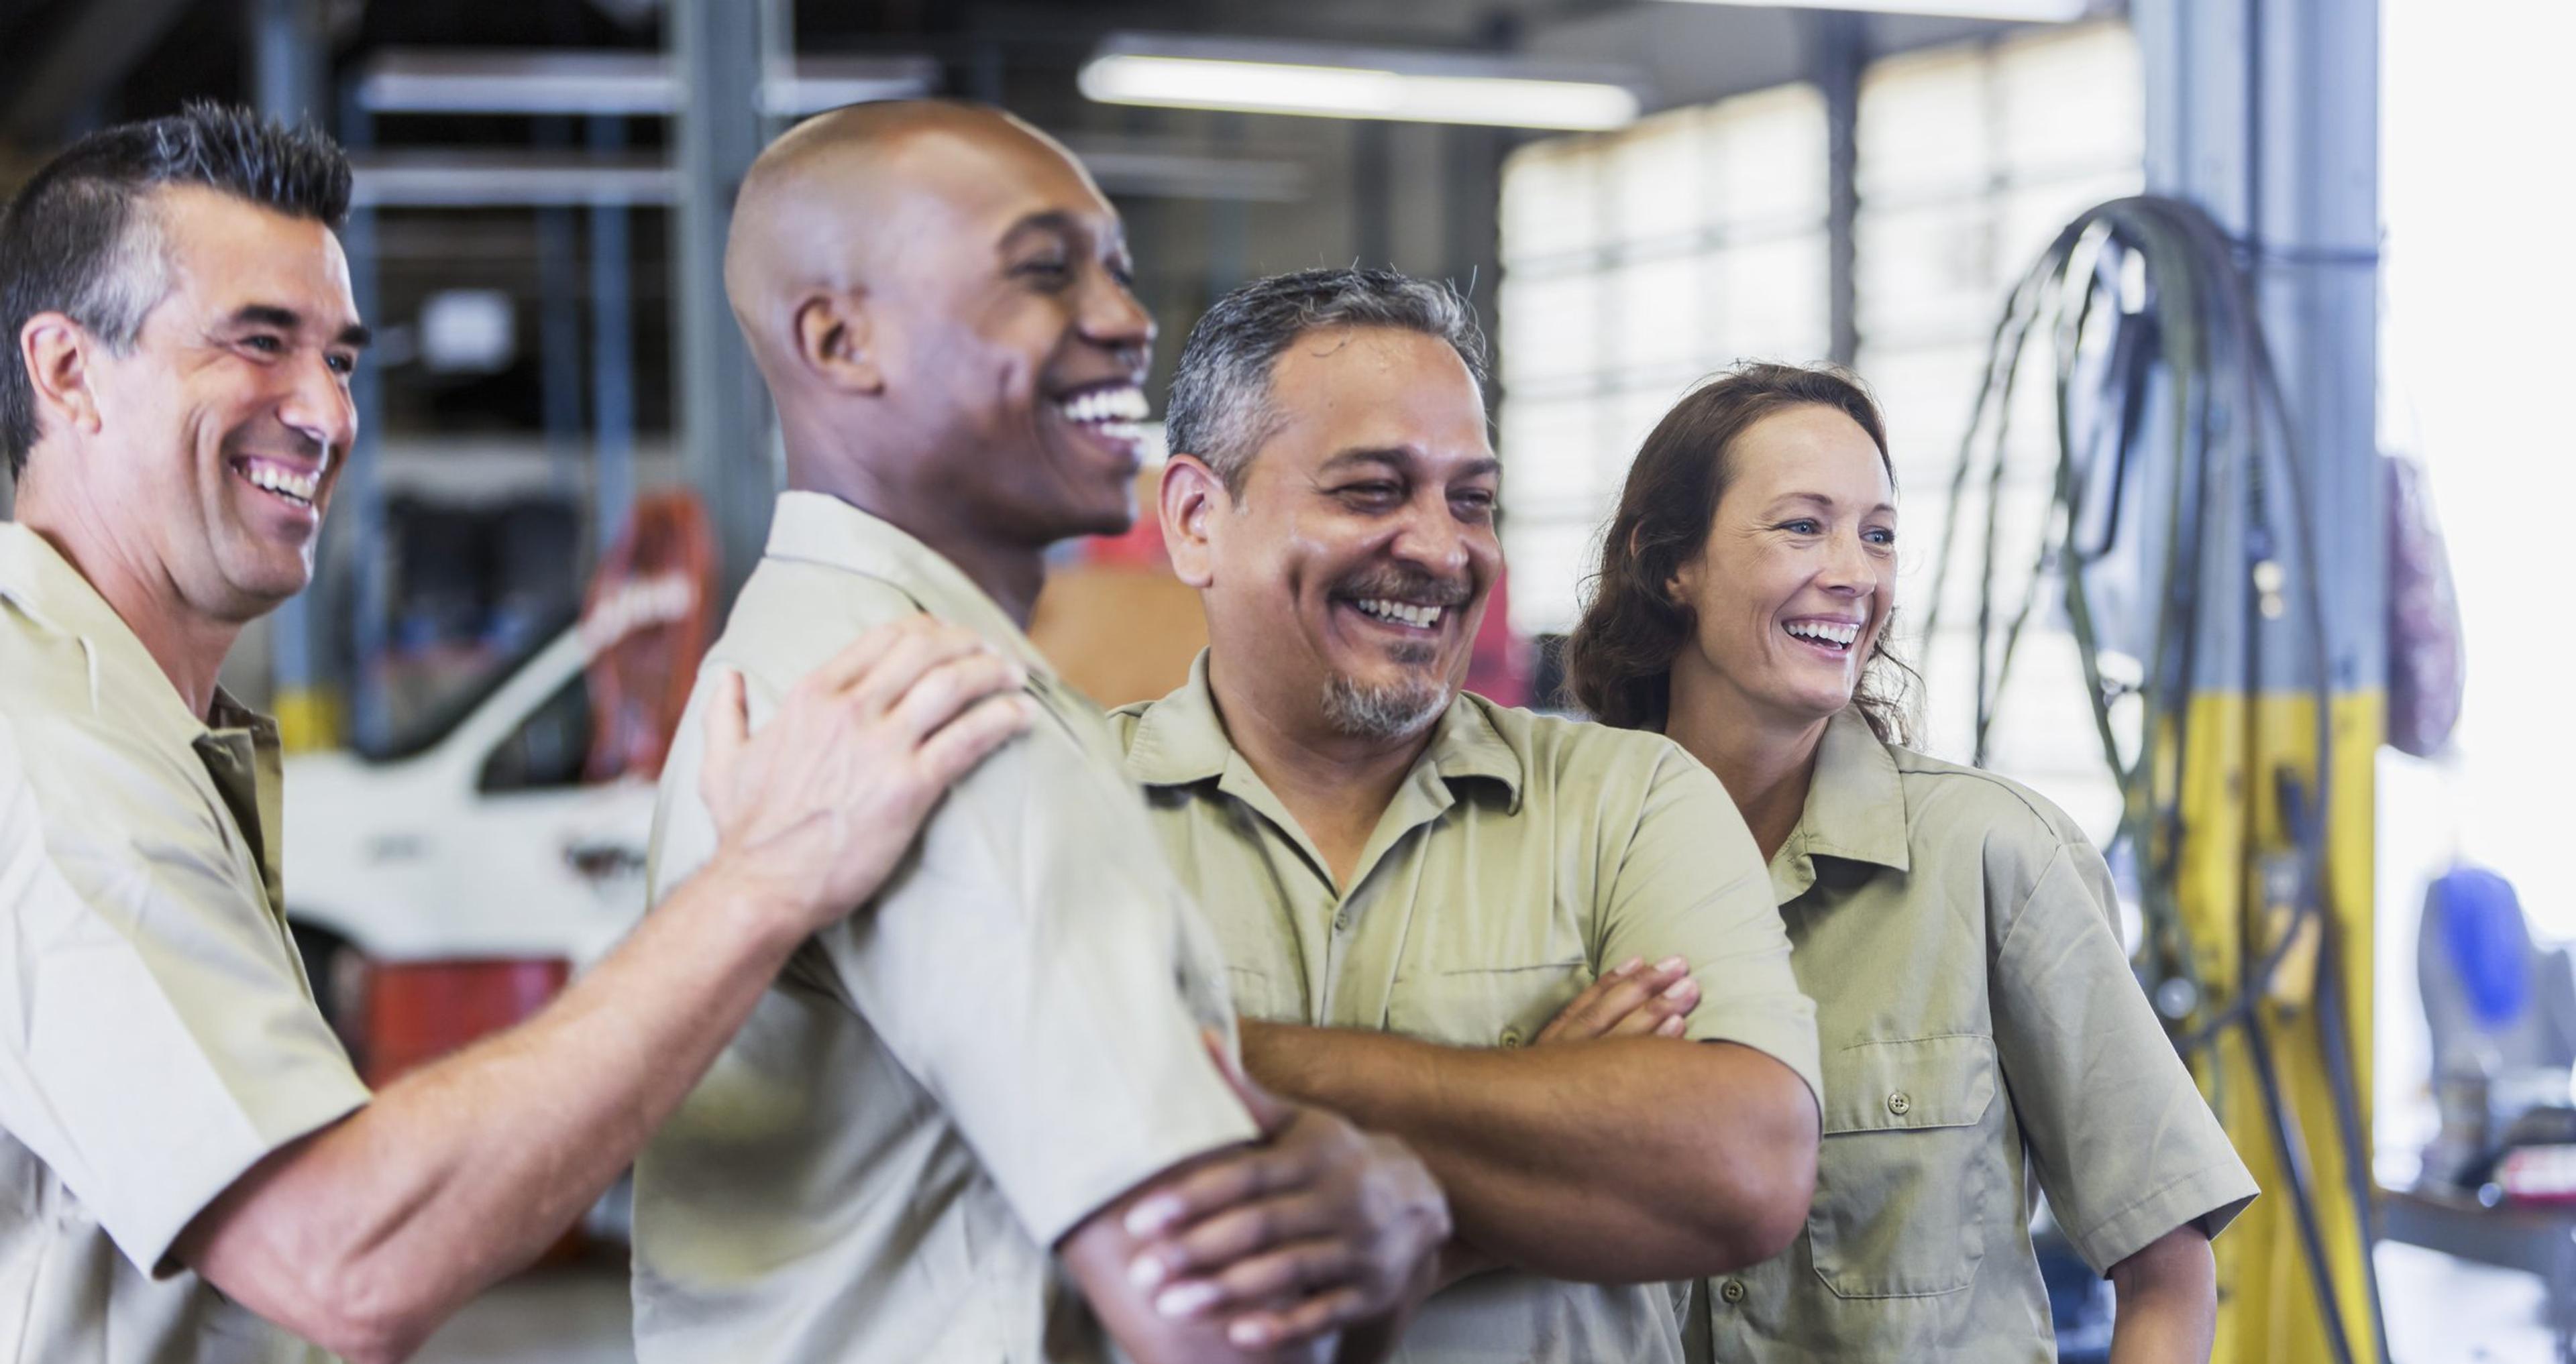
(1031, 965)
(156, 1037)
(2125, 1146)
(1690, 883)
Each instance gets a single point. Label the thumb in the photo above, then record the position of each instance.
(1269, 1112)
(728, 729)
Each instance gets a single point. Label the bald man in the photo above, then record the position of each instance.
(1028, 1045)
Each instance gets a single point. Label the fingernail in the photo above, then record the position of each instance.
(1670, 964)
(1681, 987)
(1670, 1027)
(1248, 1333)
(1188, 1300)
(1152, 1215)
(1146, 1270)
(1629, 965)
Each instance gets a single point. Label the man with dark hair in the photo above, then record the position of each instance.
(187, 1161)
(953, 1127)
(1542, 952)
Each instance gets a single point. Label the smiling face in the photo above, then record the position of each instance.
(221, 432)
(1798, 574)
(1013, 349)
(1345, 585)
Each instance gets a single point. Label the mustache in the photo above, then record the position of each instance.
(1394, 582)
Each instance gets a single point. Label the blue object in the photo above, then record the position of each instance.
(2481, 925)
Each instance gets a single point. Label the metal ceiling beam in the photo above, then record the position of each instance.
(101, 41)
(556, 81)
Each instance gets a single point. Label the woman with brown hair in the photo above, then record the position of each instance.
(1956, 931)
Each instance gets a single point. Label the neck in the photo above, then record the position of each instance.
(188, 645)
(1010, 574)
(1336, 785)
(1766, 763)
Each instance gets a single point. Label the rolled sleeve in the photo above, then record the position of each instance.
(2124, 1145)
(156, 1039)
(1690, 883)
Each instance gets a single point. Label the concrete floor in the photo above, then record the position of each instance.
(2440, 1311)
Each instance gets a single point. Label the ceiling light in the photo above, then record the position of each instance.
(2033, 11)
(1345, 82)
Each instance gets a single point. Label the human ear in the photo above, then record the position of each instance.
(55, 351)
(1190, 492)
(835, 339)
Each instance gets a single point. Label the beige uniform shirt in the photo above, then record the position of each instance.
(157, 1037)
(1520, 857)
(1979, 1019)
(940, 1087)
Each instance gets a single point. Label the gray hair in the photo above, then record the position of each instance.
(1220, 406)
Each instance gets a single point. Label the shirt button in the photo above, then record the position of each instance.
(1511, 1037)
(1732, 1290)
(1897, 1104)
(1342, 922)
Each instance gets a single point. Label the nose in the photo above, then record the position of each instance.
(319, 407)
(1111, 317)
(1849, 569)
(1430, 538)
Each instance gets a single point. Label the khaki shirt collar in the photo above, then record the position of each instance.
(238, 745)
(822, 529)
(1181, 739)
(1855, 809)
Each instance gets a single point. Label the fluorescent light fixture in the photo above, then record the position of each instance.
(1324, 81)
(2029, 11)
(561, 81)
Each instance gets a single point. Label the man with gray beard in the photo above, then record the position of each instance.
(1544, 953)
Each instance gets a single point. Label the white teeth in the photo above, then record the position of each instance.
(1107, 407)
(1834, 633)
(300, 487)
(1420, 617)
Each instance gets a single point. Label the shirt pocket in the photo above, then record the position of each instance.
(1906, 1171)
(1492, 1006)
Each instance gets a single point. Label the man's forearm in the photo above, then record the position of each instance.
(1619, 1160)
(2167, 1306)
(460, 1172)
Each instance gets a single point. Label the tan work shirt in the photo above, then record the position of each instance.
(1520, 857)
(157, 1036)
(940, 1087)
(1978, 1016)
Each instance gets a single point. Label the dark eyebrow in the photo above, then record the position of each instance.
(356, 336)
(1396, 457)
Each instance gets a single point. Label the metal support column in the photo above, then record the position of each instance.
(1835, 57)
(286, 73)
(612, 352)
(2265, 113)
(726, 447)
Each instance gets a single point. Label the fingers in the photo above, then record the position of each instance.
(1664, 1014)
(1289, 1272)
(1231, 1237)
(910, 658)
(1336, 1310)
(954, 750)
(863, 654)
(1631, 1000)
(947, 688)
(1212, 1188)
